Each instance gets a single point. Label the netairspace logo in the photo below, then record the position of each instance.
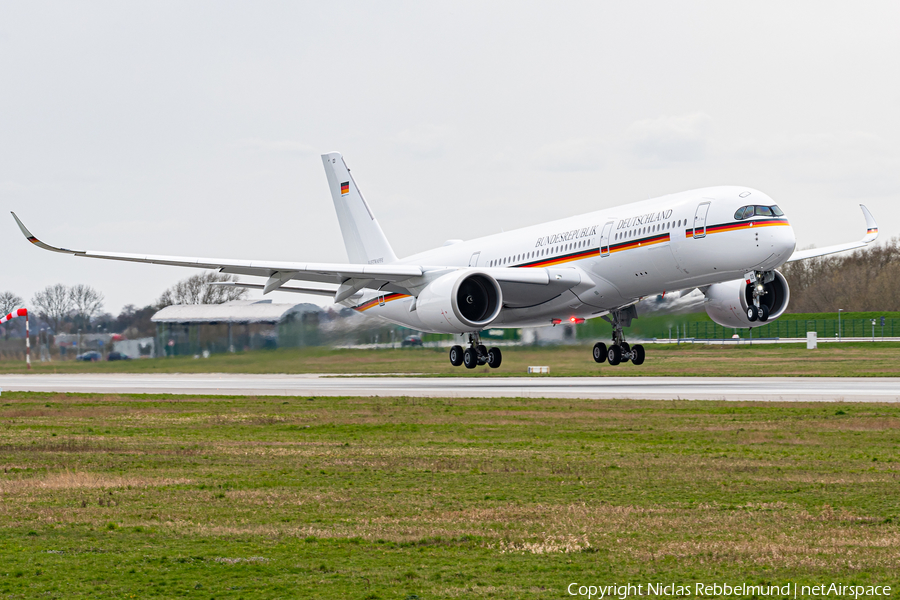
(717, 590)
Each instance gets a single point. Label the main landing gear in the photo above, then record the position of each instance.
(757, 310)
(476, 354)
(620, 350)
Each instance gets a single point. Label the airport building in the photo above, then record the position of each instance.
(238, 325)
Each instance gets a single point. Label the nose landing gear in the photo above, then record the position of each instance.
(620, 350)
(757, 310)
(475, 354)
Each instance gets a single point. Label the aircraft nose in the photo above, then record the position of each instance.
(783, 242)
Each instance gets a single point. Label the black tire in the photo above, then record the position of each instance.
(639, 355)
(763, 313)
(614, 355)
(494, 358)
(752, 313)
(470, 358)
(626, 347)
(456, 356)
(600, 352)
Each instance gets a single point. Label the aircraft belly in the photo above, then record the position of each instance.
(603, 294)
(563, 306)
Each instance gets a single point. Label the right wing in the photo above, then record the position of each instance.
(871, 235)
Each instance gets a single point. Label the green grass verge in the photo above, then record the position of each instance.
(858, 359)
(162, 496)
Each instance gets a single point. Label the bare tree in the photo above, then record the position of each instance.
(197, 290)
(86, 301)
(53, 304)
(865, 280)
(9, 302)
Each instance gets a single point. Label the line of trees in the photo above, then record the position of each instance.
(864, 280)
(64, 308)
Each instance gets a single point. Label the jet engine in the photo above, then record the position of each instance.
(460, 302)
(727, 303)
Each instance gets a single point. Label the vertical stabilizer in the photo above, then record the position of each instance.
(363, 238)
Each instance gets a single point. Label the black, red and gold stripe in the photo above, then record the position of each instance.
(640, 242)
(737, 225)
(556, 260)
(872, 230)
(345, 188)
(376, 301)
(582, 254)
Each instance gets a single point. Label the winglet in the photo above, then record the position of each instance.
(871, 225)
(36, 241)
(871, 235)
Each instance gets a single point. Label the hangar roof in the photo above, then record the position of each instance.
(236, 311)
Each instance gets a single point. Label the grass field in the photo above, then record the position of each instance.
(861, 359)
(143, 496)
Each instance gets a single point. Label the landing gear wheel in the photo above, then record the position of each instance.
(638, 358)
(470, 358)
(614, 355)
(456, 356)
(494, 357)
(600, 352)
(752, 313)
(626, 347)
(763, 313)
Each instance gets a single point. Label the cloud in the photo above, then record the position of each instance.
(851, 163)
(569, 155)
(425, 141)
(668, 140)
(274, 146)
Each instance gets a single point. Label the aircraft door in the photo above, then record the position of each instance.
(700, 220)
(604, 238)
(473, 262)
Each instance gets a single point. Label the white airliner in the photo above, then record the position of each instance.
(727, 241)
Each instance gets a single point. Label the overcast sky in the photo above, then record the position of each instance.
(195, 128)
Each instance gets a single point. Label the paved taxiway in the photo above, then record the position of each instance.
(819, 389)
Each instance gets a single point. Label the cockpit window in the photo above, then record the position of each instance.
(745, 212)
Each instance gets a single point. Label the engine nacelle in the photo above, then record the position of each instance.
(459, 302)
(727, 303)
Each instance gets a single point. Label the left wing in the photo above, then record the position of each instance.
(520, 286)
(277, 272)
(871, 235)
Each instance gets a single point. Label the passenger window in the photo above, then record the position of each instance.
(777, 211)
(763, 211)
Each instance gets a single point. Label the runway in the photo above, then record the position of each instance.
(791, 389)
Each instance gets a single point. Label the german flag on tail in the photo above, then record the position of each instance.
(345, 188)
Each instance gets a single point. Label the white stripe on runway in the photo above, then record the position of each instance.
(818, 389)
